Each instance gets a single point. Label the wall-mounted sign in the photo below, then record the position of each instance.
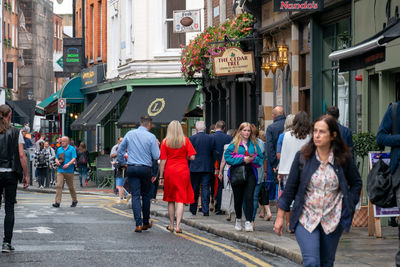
(186, 21)
(233, 61)
(72, 55)
(369, 58)
(92, 76)
(298, 5)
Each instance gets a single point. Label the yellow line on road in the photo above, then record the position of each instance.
(223, 251)
(235, 250)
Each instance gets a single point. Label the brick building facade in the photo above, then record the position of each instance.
(95, 17)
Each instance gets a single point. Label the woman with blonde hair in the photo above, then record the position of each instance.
(176, 150)
(244, 152)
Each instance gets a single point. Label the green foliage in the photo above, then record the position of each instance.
(196, 57)
(363, 143)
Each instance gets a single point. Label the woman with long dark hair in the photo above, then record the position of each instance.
(82, 162)
(325, 185)
(244, 151)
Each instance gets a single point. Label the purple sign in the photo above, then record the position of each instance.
(378, 211)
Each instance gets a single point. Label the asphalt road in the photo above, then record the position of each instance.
(100, 233)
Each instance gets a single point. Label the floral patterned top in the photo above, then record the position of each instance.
(323, 200)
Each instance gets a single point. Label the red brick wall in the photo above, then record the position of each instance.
(10, 54)
(57, 40)
(94, 48)
(229, 11)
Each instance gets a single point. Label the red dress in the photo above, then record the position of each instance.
(177, 186)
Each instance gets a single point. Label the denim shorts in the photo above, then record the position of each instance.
(119, 181)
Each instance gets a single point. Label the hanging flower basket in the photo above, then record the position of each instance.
(196, 56)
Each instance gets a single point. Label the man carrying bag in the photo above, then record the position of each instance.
(388, 135)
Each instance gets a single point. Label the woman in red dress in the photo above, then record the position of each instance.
(176, 149)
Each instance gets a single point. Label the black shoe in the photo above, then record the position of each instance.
(56, 205)
(193, 213)
(73, 205)
(206, 214)
(7, 248)
(220, 212)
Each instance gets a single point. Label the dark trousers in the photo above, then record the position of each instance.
(140, 182)
(245, 193)
(8, 184)
(219, 194)
(318, 248)
(203, 178)
(42, 176)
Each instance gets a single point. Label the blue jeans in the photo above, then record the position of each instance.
(255, 203)
(140, 183)
(204, 178)
(82, 169)
(318, 248)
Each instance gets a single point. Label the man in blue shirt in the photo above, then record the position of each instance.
(65, 160)
(345, 132)
(142, 147)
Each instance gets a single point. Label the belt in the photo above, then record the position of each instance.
(139, 165)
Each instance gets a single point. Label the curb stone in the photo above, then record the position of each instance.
(261, 244)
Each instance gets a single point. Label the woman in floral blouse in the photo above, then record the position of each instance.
(326, 186)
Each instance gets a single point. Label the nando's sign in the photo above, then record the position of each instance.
(298, 5)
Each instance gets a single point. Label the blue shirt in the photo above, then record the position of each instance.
(142, 147)
(69, 153)
(280, 143)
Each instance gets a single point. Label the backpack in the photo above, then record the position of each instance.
(41, 159)
(82, 159)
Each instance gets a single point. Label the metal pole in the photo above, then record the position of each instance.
(63, 124)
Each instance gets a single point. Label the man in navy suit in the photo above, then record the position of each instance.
(344, 131)
(221, 139)
(202, 167)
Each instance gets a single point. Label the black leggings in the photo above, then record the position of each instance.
(8, 184)
(245, 192)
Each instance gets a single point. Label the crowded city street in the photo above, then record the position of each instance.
(200, 133)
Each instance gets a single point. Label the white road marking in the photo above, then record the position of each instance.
(39, 230)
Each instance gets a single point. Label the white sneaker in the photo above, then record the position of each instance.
(41, 187)
(238, 225)
(248, 227)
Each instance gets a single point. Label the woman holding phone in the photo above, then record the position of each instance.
(244, 151)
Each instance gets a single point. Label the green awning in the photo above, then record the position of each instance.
(72, 91)
(39, 109)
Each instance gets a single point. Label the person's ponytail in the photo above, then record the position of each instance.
(4, 112)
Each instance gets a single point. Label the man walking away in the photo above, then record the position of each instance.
(142, 147)
(344, 131)
(65, 160)
(273, 132)
(221, 139)
(12, 161)
(386, 137)
(202, 167)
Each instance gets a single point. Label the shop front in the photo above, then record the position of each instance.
(117, 107)
(51, 123)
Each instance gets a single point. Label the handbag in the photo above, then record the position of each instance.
(237, 174)
(227, 203)
(380, 185)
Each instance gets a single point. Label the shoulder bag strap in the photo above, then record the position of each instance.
(394, 111)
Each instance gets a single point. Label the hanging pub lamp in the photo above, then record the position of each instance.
(273, 59)
(265, 62)
(283, 52)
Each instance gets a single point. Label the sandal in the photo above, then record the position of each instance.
(178, 231)
(268, 217)
(171, 230)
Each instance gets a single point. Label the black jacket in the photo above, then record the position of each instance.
(350, 184)
(273, 132)
(9, 151)
(204, 145)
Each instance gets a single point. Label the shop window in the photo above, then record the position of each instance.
(336, 86)
(173, 40)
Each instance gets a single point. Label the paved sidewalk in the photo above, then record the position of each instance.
(355, 248)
